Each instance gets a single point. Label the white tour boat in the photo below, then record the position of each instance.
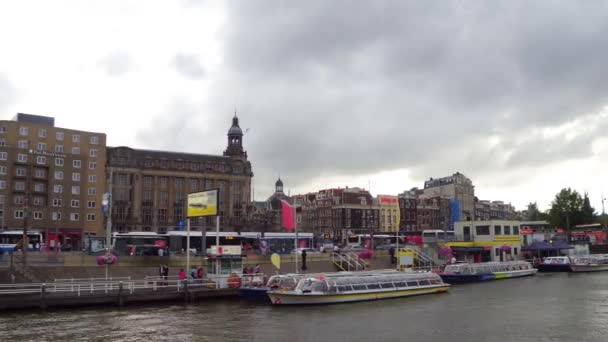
(590, 263)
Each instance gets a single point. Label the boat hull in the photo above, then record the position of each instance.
(254, 293)
(278, 298)
(545, 268)
(588, 268)
(474, 278)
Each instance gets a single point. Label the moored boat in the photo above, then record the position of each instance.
(555, 264)
(283, 282)
(345, 287)
(590, 263)
(485, 271)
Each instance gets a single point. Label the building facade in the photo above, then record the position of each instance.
(456, 186)
(493, 240)
(408, 208)
(389, 213)
(53, 175)
(150, 188)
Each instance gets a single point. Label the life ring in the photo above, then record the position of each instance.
(234, 281)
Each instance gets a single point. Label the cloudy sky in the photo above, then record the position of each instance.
(513, 94)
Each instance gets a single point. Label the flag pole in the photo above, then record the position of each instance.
(295, 225)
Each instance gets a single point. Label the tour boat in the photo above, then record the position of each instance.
(555, 264)
(467, 273)
(590, 263)
(342, 287)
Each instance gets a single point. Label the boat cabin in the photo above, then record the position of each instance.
(487, 267)
(368, 282)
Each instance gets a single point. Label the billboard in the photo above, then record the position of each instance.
(203, 203)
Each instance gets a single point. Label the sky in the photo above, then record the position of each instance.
(375, 94)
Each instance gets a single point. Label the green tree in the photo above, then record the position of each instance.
(533, 213)
(587, 211)
(566, 209)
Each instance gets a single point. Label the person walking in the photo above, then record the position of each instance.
(182, 277)
(304, 268)
(166, 274)
(391, 253)
(258, 268)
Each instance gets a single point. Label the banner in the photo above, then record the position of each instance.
(203, 203)
(287, 215)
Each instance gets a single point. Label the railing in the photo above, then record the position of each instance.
(81, 280)
(149, 284)
(350, 260)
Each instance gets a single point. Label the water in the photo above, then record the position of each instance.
(553, 307)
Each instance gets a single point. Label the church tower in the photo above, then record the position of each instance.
(235, 140)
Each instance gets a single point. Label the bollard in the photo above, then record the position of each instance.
(43, 297)
(186, 292)
(121, 301)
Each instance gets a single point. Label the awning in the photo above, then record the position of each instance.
(468, 249)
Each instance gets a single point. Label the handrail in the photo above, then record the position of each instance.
(89, 279)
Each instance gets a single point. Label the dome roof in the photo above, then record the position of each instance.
(235, 129)
(279, 183)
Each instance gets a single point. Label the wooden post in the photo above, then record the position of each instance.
(121, 301)
(43, 305)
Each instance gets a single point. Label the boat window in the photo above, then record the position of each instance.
(400, 284)
(386, 285)
(412, 283)
(344, 288)
(424, 283)
(359, 287)
(373, 286)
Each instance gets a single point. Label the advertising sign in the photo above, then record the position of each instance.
(203, 203)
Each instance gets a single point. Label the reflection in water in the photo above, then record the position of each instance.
(554, 307)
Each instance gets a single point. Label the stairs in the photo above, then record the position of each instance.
(420, 260)
(348, 261)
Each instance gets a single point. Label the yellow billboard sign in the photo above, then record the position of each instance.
(203, 203)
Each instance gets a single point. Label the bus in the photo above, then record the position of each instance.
(124, 243)
(437, 236)
(9, 239)
(381, 241)
(230, 243)
(283, 243)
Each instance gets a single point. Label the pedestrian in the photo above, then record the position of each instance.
(166, 274)
(391, 253)
(161, 270)
(258, 268)
(193, 273)
(182, 277)
(336, 249)
(453, 260)
(199, 273)
(304, 268)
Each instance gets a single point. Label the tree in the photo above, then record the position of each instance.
(587, 211)
(566, 209)
(533, 212)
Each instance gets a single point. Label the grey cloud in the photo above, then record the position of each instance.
(351, 88)
(116, 63)
(188, 66)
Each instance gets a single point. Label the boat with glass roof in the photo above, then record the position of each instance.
(484, 271)
(590, 263)
(342, 287)
(282, 282)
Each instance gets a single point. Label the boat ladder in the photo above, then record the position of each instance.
(348, 261)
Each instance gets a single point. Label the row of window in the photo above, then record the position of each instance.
(42, 133)
(498, 230)
(56, 215)
(41, 160)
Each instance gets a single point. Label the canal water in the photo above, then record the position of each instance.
(554, 307)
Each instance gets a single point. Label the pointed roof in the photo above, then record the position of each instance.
(235, 129)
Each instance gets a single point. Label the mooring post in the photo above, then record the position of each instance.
(43, 297)
(186, 291)
(121, 301)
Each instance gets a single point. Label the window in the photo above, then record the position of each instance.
(56, 216)
(2, 142)
(90, 217)
(19, 214)
(57, 202)
(75, 190)
(2, 184)
(92, 178)
(515, 230)
(24, 130)
(40, 173)
(20, 172)
(41, 160)
(39, 187)
(22, 158)
(1, 198)
(75, 150)
(41, 146)
(22, 144)
(58, 161)
(90, 204)
(163, 182)
(37, 215)
(74, 217)
(94, 140)
(122, 179)
(162, 215)
(75, 138)
(59, 136)
(497, 230)
(39, 201)
(42, 133)
(2, 170)
(75, 203)
(147, 182)
(58, 188)
(76, 163)
(2, 129)
(19, 200)
(507, 230)
(514, 250)
(3, 155)
(497, 252)
(92, 165)
(58, 148)
(20, 186)
(93, 153)
(58, 174)
(76, 177)
(92, 191)
(482, 230)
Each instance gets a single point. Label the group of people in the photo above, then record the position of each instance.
(252, 270)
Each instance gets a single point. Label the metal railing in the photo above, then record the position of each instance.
(79, 288)
(348, 261)
(80, 280)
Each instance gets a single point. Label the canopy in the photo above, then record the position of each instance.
(547, 246)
